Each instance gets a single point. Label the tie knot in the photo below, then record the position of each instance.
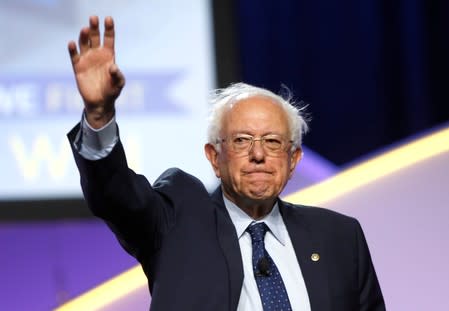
(257, 231)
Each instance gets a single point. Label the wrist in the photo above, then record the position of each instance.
(99, 116)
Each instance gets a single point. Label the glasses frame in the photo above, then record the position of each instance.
(245, 151)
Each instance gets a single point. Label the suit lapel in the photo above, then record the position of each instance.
(228, 241)
(306, 243)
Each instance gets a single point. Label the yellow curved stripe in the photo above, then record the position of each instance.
(342, 183)
(373, 169)
(109, 292)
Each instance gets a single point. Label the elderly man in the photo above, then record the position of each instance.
(239, 248)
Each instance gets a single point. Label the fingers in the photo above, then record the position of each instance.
(90, 36)
(109, 35)
(74, 56)
(83, 40)
(94, 32)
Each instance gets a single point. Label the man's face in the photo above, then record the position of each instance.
(253, 176)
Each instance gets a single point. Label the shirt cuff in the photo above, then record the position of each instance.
(96, 144)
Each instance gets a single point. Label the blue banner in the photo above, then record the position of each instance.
(36, 96)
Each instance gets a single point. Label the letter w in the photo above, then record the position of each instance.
(41, 151)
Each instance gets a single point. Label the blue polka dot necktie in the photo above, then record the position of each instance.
(269, 282)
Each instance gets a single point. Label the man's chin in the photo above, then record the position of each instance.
(261, 194)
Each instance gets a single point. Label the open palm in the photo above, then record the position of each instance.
(97, 76)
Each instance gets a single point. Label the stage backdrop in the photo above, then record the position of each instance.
(165, 50)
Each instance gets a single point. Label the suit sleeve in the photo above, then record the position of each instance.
(135, 212)
(371, 298)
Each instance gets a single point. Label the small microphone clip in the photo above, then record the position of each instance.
(263, 267)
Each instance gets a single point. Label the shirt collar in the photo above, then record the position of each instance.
(241, 220)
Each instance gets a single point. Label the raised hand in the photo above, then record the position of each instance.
(97, 76)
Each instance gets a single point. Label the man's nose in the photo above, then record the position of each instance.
(256, 152)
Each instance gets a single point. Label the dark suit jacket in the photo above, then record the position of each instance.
(188, 247)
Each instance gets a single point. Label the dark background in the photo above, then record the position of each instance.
(373, 72)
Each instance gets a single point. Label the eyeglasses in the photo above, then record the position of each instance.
(272, 144)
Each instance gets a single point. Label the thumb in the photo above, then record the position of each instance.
(117, 77)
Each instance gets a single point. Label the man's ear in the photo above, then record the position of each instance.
(212, 156)
(294, 160)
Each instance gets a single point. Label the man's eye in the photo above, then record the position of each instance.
(273, 143)
(241, 140)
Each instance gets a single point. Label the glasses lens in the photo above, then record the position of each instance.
(241, 143)
(271, 144)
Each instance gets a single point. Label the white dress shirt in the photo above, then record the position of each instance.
(280, 248)
(95, 144)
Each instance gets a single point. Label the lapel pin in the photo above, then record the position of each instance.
(315, 257)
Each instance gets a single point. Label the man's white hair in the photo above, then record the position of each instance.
(223, 99)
